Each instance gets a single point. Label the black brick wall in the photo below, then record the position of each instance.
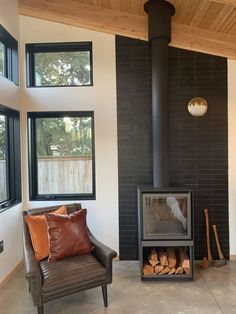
(198, 146)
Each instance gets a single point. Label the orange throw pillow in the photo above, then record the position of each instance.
(38, 229)
(67, 235)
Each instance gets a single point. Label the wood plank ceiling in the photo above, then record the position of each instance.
(202, 25)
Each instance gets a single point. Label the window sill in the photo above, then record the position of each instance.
(54, 198)
(53, 86)
(9, 204)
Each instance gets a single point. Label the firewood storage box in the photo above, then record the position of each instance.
(166, 246)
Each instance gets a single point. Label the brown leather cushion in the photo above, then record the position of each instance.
(71, 274)
(67, 235)
(38, 230)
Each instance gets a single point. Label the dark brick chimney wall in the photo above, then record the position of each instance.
(198, 146)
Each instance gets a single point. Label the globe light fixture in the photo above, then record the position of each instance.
(197, 106)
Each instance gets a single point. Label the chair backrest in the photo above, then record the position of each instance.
(71, 208)
(38, 211)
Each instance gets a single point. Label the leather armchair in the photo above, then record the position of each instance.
(49, 281)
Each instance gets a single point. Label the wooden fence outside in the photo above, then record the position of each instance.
(3, 192)
(58, 175)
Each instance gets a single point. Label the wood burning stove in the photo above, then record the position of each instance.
(165, 229)
(166, 214)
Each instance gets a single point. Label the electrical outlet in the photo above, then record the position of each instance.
(1, 246)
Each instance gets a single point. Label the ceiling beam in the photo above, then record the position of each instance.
(202, 40)
(86, 16)
(228, 2)
(135, 26)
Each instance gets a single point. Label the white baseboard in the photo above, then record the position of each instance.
(11, 274)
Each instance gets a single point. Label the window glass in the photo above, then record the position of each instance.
(62, 68)
(59, 64)
(10, 168)
(8, 56)
(3, 163)
(64, 153)
(2, 59)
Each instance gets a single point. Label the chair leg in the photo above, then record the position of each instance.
(104, 293)
(40, 309)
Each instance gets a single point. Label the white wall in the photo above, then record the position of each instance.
(10, 220)
(232, 153)
(10, 233)
(101, 98)
(9, 16)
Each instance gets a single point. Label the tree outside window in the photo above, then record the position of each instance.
(68, 136)
(62, 68)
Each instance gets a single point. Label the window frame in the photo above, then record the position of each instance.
(13, 157)
(32, 157)
(4, 60)
(31, 49)
(11, 70)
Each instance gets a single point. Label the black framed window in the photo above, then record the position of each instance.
(8, 56)
(61, 155)
(59, 64)
(10, 174)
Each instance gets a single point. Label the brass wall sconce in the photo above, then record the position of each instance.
(197, 106)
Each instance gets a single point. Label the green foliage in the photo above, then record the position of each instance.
(64, 136)
(62, 68)
(2, 137)
(1, 58)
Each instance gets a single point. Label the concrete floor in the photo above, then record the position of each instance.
(213, 291)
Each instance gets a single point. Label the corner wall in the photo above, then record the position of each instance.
(101, 98)
(232, 154)
(10, 220)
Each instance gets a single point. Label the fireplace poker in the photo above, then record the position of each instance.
(222, 260)
(207, 261)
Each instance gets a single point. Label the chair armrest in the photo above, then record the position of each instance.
(104, 254)
(32, 270)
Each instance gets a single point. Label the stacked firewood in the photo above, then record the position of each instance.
(168, 261)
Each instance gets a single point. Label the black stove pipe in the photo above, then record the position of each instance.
(159, 33)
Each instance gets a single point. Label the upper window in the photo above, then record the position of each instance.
(59, 64)
(10, 183)
(61, 154)
(8, 56)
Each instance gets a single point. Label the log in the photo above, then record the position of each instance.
(158, 269)
(183, 206)
(153, 258)
(184, 259)
(172, 271)
(171, 257)
(162, 257)
(148, 270)
(187, 270)
(165, 270)
(179, 270)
